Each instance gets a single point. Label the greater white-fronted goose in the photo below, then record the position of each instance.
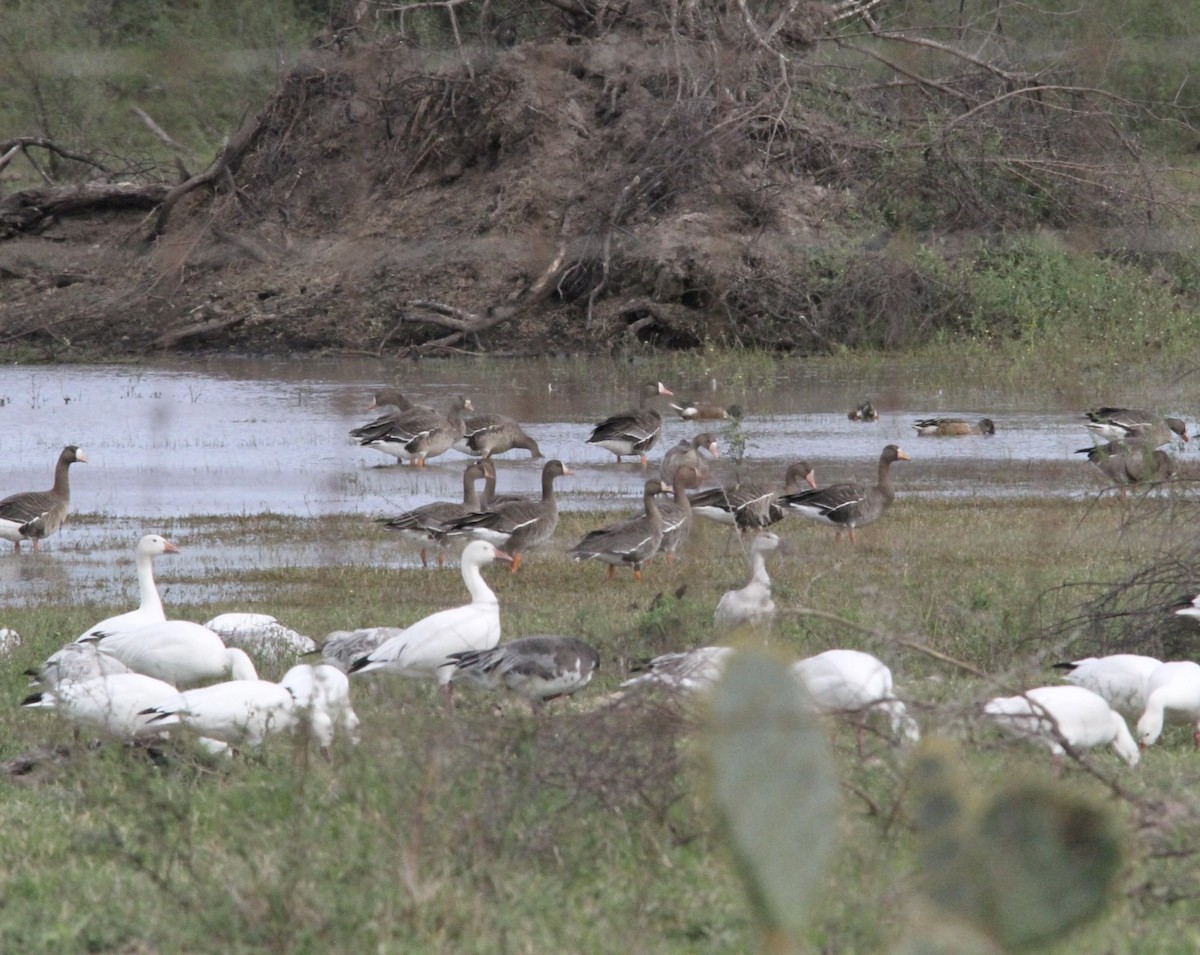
(388, 398)
(1052, 715)
(1134, 425)
(954, 427)
(677, 512)
(687, 671)
(631, 542)
(1127, 463)
(540, 668)
(849, 505)
(854, 682)
(236, 712)
(703, 411)
(632, 432)
(751, 505)
(420, 434)
(1172, 688)
(427, 524)
(751, 604)
(177, 651)
(113, 704)
(424, 649)
(33, 515)
(150, 608)
(490, 499)
(487, 434)
(1120, 678)
(520, 525)
(864, 411)
(261, 635)
(688, 452)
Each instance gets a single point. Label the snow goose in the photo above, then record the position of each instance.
(237, 712)
(424, 649)
(341, 648)
(1054, 715)
(752, 604)
(751, 505)
(1134, 425)
(631, 542)
(953, 427)
(677, 512)
(1172, 692)
(688, 453)
(1119, 678)
(539, 668)
(850, 681)
(112, 703)
(32, 515)
(1188, 607)
(75, 663)
(487, 434)
(150, 608)
(518, 525)
(322, 695)
(427, 523)
(261, 635)
(850, 505)
(687, 671)
(177, 651)
(634, 431)
(1126, 463)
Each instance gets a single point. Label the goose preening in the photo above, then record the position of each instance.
(417, 434)
(953, 427)
(629, 543)
(389, 398)
(1172, 692)
(1135, 426)
(703, 411)
(427, 524)
(177, 651)
(854, 682)
(849, 505)
(1127, 463)
(237, 712)
(751, 505)
(677, 512)
(487, 434)
(635, 431)
(439, 438)
(33, 515)
(751, 604)
(113, 704)
(341, 648)
(322, 695)
(150, 608)
(75, 663)
(539, 668)
(1119, 678)
(261, 635)
(1054, 715)
(425, 648)
(687, 671)
(865, 411)
(517, 526)
(688, 453)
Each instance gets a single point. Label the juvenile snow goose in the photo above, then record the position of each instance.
(850, 505)
(427, 524)
(424, 649)
(177, 651)
(487, 434)
(1172, 692)
(1127, 463)
(1119, 678)
(341, 648)
(688, 671)
(751, 505)
(1053, 715)
(635, 431)
(237, 712)
(751, 604)
(1134, 425)
(688, 452)
(629, 543)
(520, 525)
(260, 634)
(75, 663)
(113, 703)
(150, 608)
(953, 427)
(677, 512)
(539, 668)
(33, 515)
(854, 682)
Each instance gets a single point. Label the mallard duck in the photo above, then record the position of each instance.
(519, 525)
(1134, 425)
(1173, 687)
(751, 505)
(1053, 715)
(851, 681)
(688, 452)
(33, 515)
(1127, 463)
(420, 434)
(427, 524)
(487, 434)
(632, 432)
(863, 412)
(1120, 678)
(631, 542)
(677, 512)
(849, 505)
(701, 411)
(953, 427)
(751, 604)
(150, 608)
(539, 668)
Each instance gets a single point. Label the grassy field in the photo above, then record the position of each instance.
(591, 829)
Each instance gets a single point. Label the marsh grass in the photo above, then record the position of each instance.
(587, 829)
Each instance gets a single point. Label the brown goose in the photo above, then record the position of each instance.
(419, 435)
(751, 505)
(677, 513)
(32, 515)
(1134, 425)
(850, 505)
(426, 523)
(688, 453)
(632, 432)
(1126, 463)
(632, 542)
(388, 398)
(489, 500)
(520, 525)
(953, 427)
(487, 434)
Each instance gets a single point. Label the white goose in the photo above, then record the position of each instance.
(150, 608)
(260, 634)
(322, 695)
(1173, 691)
(237, 712)
(1120, 678)
(424, 649)
(177, 651)
(112, 704)
(75, 663)
(686, 671)
(1051, 715)
(850, 681)
(752, 604)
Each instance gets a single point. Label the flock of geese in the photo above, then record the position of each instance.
(139, 674)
